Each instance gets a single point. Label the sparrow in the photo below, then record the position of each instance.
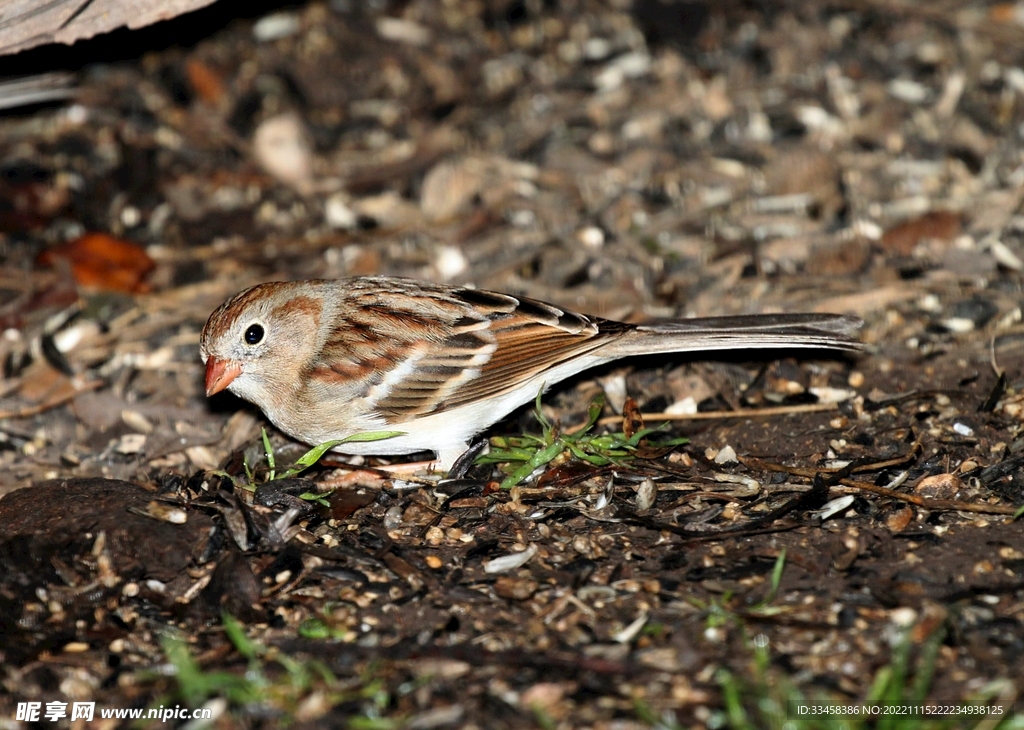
(325, 360)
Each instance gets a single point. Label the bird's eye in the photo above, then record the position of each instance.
(254, 334)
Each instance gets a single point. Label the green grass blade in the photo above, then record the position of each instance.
(358, 438)
(539, 459)
(269, 451)
(593, 413)
(545, 424)
(235, 632)
(314, 455)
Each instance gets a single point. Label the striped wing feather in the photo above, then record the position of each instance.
(489, 357)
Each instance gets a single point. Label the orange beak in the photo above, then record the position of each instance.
(219, 374)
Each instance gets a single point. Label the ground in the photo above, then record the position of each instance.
(837, 528)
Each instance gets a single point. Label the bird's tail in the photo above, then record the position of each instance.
(775, 331)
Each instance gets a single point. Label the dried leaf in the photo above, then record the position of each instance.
(101, 262)
(632, 419)
(903, 238)
(205, 81)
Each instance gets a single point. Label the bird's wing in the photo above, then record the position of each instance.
(470, 346)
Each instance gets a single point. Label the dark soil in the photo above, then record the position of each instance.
(633, 160)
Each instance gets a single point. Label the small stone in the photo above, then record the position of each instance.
(962, 429)
(591, 237)
(450, 262)
(727, 455)
(939, 486)
(136, 421)
(597, 49)
(131, 443)
(685, 407)
(626, 66)
(979, 311)
(646, 494)
(282, 148)
(338, 214)
(450, 188)
(275, 26)
(402, 31)
(502, 75)
(959, 325)
(515, 589)
(1004, 256)
(663, 658)
(903, 617)
(909, 91)
(832, 395)
(898, 520)
(543, 696)
(601, 143)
